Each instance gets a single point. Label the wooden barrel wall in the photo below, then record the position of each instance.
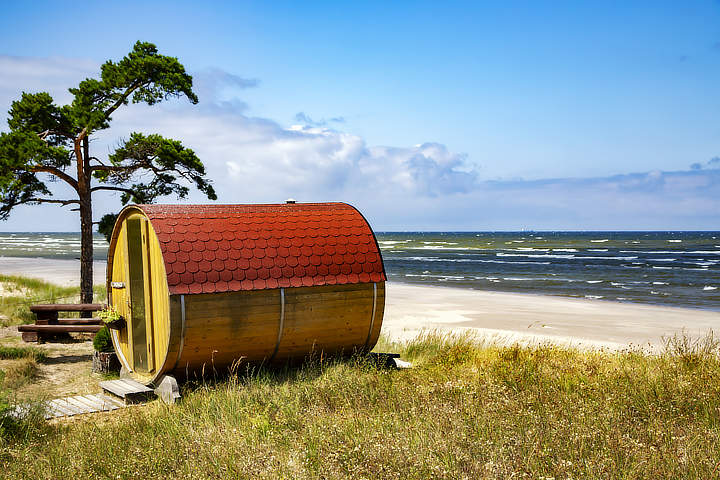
(203, 286)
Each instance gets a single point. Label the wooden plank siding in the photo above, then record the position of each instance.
(225, 327)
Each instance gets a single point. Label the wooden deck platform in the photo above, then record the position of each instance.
(78, 405)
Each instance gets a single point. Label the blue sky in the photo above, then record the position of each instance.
(438, 115)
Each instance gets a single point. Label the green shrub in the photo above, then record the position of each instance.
(102, 341)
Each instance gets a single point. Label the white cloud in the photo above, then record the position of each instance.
(419, 187)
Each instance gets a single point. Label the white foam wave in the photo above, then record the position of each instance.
(440, 247)
(651, 251)
(606, 258)
(600, 241)
(518, 279)
(709, 287)
(500, 254)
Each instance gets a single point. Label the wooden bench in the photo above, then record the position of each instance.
(50, 326)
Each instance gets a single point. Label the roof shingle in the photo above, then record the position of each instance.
(222, 248)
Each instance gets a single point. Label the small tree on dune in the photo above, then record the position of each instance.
(47, 142)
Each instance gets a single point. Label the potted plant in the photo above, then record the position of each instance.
(111, 318)
(104, 358)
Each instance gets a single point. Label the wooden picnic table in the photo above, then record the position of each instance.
(50, 326)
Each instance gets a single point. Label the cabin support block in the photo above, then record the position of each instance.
(167, 389)
(388, 360)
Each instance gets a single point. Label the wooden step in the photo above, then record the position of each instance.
(129, 390)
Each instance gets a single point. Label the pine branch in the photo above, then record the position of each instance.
(57, 172)
(114, 189)
(49, 200)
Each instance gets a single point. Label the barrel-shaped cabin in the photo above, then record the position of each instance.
(204, 286)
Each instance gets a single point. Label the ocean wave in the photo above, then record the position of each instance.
(594, 297)
(653, 252)
(500, 254)
(709, 287)
(597, 250)
(594, 281)
(520, 279)
(439, 247)
(600, 241)
(606, 258)
(470, 260)
(675, 241)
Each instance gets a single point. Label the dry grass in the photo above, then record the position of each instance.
(465, 411)
(17, 373)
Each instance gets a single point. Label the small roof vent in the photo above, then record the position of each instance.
(290, 200)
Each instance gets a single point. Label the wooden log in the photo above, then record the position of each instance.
(66, 307)
(79, 321)
(59, 328)
(30, 337)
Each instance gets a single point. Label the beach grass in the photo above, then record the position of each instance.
(467, 409)
(12, 353)
(19, 293)
(19, 366)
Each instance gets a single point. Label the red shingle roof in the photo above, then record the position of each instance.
(225, 248)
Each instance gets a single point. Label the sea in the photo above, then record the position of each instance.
(662, 268)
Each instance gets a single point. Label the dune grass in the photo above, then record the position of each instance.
(466, 410)
(21, 292)
(11, 353)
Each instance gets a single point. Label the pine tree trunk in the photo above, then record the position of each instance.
(86, 225)
(86, 250)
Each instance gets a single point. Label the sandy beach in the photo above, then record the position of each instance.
(515, 317)
(504, 317)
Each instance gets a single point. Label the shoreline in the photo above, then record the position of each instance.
(502, 317)
(550, 295)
